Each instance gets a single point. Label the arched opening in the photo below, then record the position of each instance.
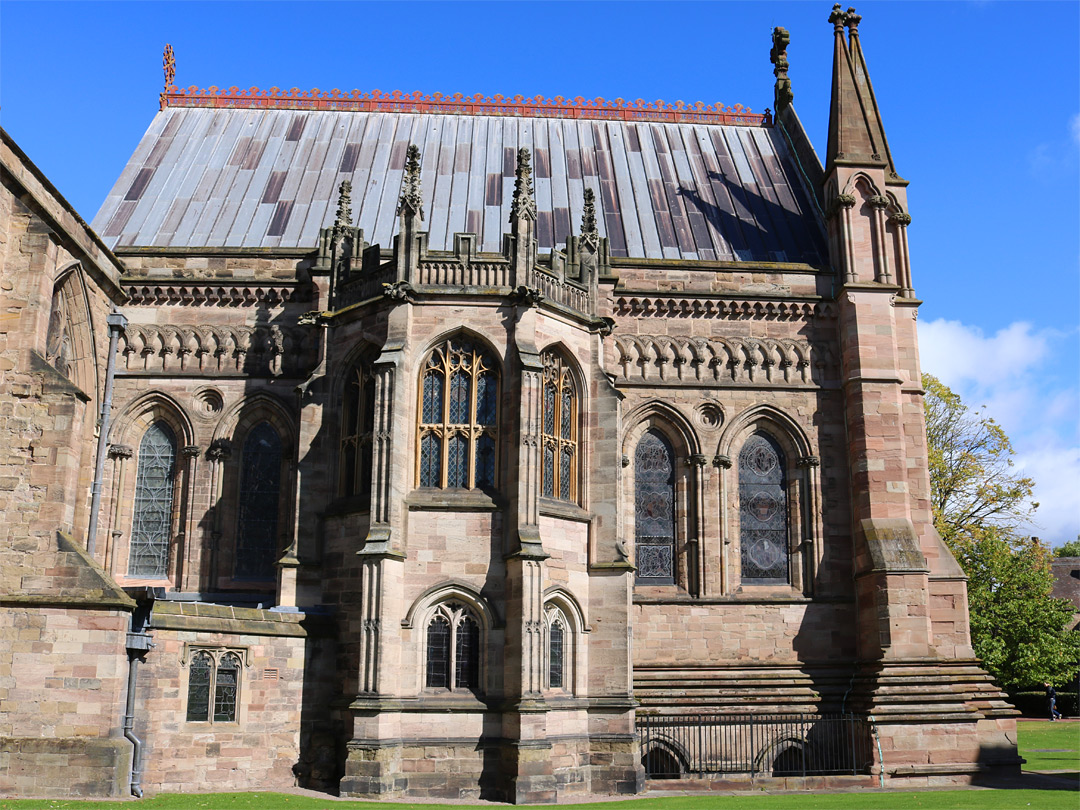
(660, 763)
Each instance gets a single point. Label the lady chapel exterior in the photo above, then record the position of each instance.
(406, 445)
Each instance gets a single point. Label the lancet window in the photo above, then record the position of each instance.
(459, 396)
(453, 649)
(558, 643)
(654, 509)
(763, 512)
(357, 430)
(559, 469)
(58, 348)
(151, 529)
(260, 499)
(213, 686)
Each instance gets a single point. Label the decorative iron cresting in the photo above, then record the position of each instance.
(459, 104)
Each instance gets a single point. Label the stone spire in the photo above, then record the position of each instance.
(412, 201)
(856, 134)
(523, 205)
(778, 56)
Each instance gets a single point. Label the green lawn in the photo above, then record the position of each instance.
(1038, 741)
(1049, 746)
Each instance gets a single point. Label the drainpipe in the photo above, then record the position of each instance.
(117, 324)
(138, 644)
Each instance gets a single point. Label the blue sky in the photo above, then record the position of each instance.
(981, 103)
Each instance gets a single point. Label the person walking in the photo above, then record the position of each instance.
(1051, 702)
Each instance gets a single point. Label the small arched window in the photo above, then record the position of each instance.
(357, 430)
(459, 396)
(453, 649)
(558, 675)
(763, 514)
(260, 502)
(58, 349)
(654, 510)
(560, 430)
(213, 686)
(151, 528)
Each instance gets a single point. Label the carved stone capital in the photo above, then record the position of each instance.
(120, 451)
(838, 202)
(900, 218)
(605, 326)
(626, 461)
(190, 451)
(808, 461)
(878, 201)
(720, 461)
(220, 449)
(696, 460)
(312, 318)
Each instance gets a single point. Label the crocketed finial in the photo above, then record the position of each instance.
(589, 232)
(852, 20)
(838, 18)
(168, 65)
(523, 203)
(344, 206)
(411, 198)
(778, 56)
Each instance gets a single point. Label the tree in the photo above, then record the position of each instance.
(1017, 628)
(1070, 549)
(972, 481)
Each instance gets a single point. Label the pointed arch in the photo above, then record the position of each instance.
(71, 342)
(793, 438)
(561, 419)
(354, 389)
(662, 416)
(137, 414)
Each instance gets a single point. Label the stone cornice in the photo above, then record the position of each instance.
(174, 292)
(666, 305)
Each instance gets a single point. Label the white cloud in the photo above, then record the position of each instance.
(1026, 379)
(1074, 127)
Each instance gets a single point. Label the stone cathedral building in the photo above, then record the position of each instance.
(406, 445)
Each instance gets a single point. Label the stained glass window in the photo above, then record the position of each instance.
(453, 648)
(151, 529)
(555, 654)
(654, 510)
(438, 653)
(763, 518)
(357, 430)
(217, 674)
(225, 686)
(558, 471)
(462, 426)
(260, 496)
(200, 673)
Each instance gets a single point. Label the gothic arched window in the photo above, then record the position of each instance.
(453, 649)
(560, 430)
(213, 686)
(357, 430)
(259, 504)
(654, 510)
(151, 528)
(459, 396)
(763, 514)
(557, 669)
(58, 349)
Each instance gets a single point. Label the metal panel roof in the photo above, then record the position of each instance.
(205, 177)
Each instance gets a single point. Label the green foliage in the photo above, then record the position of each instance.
(1017, 627)
(972, 481)
(1070, 549)
(1033, 704)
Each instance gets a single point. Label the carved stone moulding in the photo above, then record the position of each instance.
(709, 415)
(207, 402)
(211, 295)
(722, 309)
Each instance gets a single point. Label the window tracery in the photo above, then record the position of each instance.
(654, 509)
(357, 432)
(58, 348)
(763, 512)
(259, 504)
(151, 529)
(458, 417)
(559, 466)
(213, 686)
(453, 649)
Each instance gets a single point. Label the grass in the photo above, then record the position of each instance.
(1049, 746)
(1035, 738)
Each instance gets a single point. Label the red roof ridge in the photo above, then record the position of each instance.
(458, 104)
